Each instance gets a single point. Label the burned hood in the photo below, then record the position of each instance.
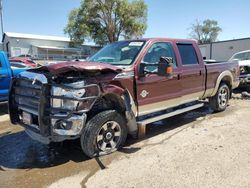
(82, 66)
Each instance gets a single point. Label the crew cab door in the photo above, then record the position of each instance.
(193, 72)
(5, 78)
(155, 93)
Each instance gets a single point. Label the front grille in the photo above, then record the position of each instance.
(244, 70)
(27, 95)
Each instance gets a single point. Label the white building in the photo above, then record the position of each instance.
(43, 47)
(223, 50)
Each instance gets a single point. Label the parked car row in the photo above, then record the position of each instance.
(22, 62)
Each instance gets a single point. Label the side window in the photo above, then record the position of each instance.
(158, 50)
(188, 54)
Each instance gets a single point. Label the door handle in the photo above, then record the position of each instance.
(3, 75)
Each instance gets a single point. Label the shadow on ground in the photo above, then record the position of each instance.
(3, 108)
(18, 151)
(172, 123)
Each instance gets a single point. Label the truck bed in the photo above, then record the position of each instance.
(213, 71)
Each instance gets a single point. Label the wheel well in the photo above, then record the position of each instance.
(108, 102)
(227, 80)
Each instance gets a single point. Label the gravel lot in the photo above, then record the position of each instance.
(196, 149)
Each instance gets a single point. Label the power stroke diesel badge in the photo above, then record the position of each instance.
(144, 93)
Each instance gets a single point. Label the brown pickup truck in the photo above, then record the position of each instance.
(116, 92)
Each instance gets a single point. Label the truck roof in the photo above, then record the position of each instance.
(164, 39)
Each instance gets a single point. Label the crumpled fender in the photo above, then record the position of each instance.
(131, 109)
(113, 89)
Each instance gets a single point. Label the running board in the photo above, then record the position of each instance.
(142, 124)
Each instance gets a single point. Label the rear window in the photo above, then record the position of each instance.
(188, 54)
(17, 64)
(17, 61)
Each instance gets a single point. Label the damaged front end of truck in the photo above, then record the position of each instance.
(53, 103)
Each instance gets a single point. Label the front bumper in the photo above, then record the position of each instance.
(30, 94)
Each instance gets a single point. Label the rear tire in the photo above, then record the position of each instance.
(104, 133)
(219, 102)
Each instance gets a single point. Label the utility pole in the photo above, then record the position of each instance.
(1, 15)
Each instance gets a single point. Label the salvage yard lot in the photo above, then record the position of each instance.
(195, 149)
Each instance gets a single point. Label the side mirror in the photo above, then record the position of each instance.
(142, 69)
(165, 67)
(147, 68)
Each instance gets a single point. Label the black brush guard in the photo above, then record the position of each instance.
(35, 97)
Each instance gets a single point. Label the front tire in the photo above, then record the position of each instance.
(104, 133)
(219, 102)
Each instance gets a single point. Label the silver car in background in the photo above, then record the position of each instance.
(243, 58)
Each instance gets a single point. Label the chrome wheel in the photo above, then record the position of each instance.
(223, 97)
(108, 136)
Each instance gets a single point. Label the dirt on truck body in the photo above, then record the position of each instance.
(123, 87)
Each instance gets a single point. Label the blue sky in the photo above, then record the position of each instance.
(166, 18)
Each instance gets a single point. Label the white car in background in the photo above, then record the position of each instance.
(243, 58)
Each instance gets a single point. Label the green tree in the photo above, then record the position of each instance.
(106, 21)
(206, 31)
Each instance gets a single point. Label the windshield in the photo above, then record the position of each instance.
(242, 56)
(118, 53)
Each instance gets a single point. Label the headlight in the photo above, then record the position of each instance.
(68, 104)
(63, 103)
(242, 69)
(71, 93)
(74, 96)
